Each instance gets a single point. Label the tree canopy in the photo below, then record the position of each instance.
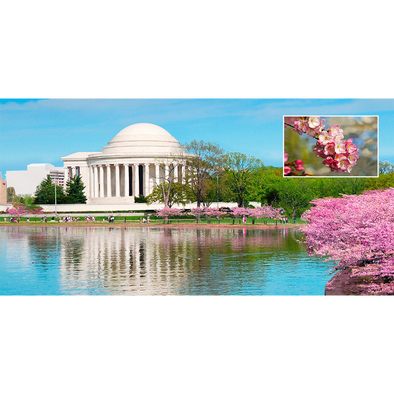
(75, 191)
(206, 163)
(45, 192)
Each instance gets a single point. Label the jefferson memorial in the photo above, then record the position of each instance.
(137, 159)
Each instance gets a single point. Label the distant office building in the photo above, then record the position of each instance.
(57, 177)
(26, 182)
(3, 191)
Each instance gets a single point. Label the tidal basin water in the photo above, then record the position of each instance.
(157, 261)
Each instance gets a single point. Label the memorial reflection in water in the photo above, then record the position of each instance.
(147, 260)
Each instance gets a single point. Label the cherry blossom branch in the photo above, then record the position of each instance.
(338, 154)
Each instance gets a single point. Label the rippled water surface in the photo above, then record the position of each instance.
(157, 261)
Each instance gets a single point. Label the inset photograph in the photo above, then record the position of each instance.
(331, 146)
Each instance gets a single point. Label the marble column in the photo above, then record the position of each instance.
(184, 171)
(157, 175)
(126, 181)
(146, 180)
(96, 182)
(117, 180)
(176, 173)
(136, 180)
(109, 181)
(182, 174)
(91, 183)
(101, 169)
(166, 173)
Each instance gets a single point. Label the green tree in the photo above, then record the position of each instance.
(385, 167)
(178, 193)
(45, 193)
(270, 185)
(295, 195)
(384, 181)
(75, 191)
(206, 162)
(240, 170)
(166, 178)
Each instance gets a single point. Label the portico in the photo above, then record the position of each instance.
(128, 179)
(137, 159)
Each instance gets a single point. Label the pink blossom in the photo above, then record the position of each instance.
(314, 121)
(286, 170)
(352, 157)
(340, 146)
(301, 126)
(335, 131)
(329, 149)
(351, 148)
(325, 137)
(319, 150)
(311, 132)
(343, 162)
(298, 162)
(328, 161)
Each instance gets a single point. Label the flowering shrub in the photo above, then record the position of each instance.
(168, 212)
(338, 154)
(18, 211)
(21, 210)
(239, 212)
(356, 232)
(265, 211)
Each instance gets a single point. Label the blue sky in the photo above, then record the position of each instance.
(42, 131)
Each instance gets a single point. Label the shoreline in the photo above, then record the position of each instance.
(343, 283)
(154, 225)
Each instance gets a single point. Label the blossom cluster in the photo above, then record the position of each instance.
(290, 167)
(338, 154)
(356, 232)
(310, 125)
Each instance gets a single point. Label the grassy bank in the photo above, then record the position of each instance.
(153, 220)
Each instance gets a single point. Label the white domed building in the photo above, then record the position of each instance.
(137, 159)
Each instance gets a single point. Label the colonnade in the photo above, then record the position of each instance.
(130, 179)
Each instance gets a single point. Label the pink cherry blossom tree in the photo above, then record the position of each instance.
(167, 212)
(197, 212)
(265, 211)
(357, 232)
(17, 211)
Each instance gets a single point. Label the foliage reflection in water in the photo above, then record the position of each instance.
(164, 261)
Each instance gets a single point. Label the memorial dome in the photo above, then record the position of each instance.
(145, 137)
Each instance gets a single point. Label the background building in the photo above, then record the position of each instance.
(3, 191)
(26, 182)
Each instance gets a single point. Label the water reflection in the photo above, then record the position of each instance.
(92, 260)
